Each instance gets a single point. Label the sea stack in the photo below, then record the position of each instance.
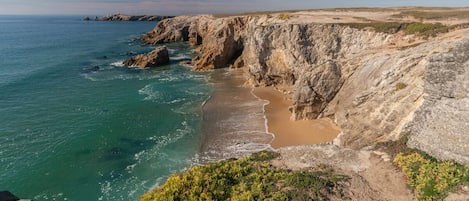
(157, 57)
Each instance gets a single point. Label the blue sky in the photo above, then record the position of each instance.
(176, 7)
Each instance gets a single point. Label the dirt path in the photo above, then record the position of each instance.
(372, 174)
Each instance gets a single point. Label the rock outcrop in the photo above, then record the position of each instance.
(157, 57)
(358, 78)
(123, 17)
(441, 124)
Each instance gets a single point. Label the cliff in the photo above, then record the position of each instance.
(372, 84)
(124, 17)
(441, 124)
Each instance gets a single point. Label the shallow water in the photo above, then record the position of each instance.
(72, 131)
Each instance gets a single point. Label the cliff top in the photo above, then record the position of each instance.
(447, 16)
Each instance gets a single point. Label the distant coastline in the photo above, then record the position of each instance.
(124, 17)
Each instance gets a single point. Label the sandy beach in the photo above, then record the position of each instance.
(288, 132)
(233, 119)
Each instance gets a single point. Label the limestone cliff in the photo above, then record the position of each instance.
(441, 124)
(369, 83)
(124, 17)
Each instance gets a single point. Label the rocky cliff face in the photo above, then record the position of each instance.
(441, 124)
(123, 17)
(360, 79)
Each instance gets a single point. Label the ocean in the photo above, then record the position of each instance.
(77, 125)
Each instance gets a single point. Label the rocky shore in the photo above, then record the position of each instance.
(356, 77)
(124, 17)
(376, 84)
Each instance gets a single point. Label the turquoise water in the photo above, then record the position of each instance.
(69, 131)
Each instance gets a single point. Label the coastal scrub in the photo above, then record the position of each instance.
(249, 178)
(431, 179)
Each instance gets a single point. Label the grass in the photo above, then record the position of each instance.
(425, 28)
(436, 15)
(422, 29)
(249, 178)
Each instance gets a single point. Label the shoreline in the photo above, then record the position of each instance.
(292, 133)
(239, 120)
(233, 125)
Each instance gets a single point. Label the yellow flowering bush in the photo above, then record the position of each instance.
(431, 179)
(249, 178)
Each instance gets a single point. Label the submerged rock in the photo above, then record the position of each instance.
(157, 57)
(185, 62)
(91, 69)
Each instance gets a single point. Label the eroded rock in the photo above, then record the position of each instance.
(441, 124)
(334, 71)
(157, 57)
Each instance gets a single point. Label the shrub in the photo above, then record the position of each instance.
(250, 178)
(283, 16)
(425, 29)
(431, 179)
(399, 86)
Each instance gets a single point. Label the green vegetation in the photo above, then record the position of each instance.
(283, 16)
(435, 15)
(400, 85)
(384, 27)
(250, 178)
(431, 179)
(423, 29)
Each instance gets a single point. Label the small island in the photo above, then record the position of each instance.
(124, 17)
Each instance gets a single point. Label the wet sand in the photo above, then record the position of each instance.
(233, 119)
(288, 132)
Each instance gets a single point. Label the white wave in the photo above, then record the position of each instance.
(176, 101)
(180, 57)
(149, 93)
(118, 64)
(250, 147)
(171, 50)
(266, 102)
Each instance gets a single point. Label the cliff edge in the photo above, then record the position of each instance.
(371, 81)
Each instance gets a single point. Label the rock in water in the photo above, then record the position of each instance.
(157, 57)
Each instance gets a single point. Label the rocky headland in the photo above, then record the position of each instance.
(124, 17)
(378, 74)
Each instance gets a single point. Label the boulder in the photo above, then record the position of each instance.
(157, 57)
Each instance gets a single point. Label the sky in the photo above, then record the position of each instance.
(178, 7)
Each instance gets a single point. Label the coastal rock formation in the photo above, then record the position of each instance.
(171, 30)
(157, 57)
(369, 83)
(220, 40)
(124, 17)
(441, 124)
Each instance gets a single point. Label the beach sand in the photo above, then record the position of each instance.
(233, 119)
(288, 132)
